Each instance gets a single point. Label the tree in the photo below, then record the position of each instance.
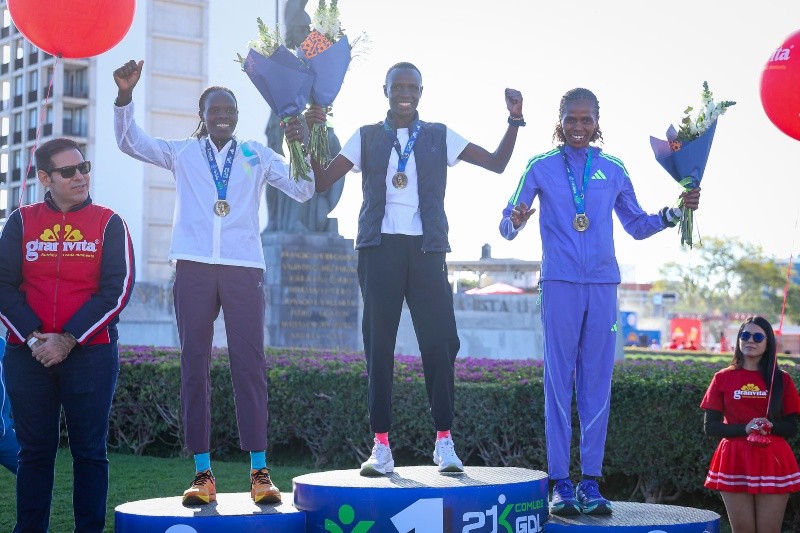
(729, 276)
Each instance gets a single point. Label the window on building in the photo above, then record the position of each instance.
(16, 165)
(75, 121)
(33, 118)
(19, 53)
(33, 123)
(31, 192)
(18, 91)
(30, 166)
(33, 86)
(47, 127)
(13, 199)
(5, 126)
(16, 128)
(75, 83)
(48, 79)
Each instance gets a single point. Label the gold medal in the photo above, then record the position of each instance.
(581, 222)
(400, 180)
(222, 208)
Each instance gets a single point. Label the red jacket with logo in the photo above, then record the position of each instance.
(65, 272)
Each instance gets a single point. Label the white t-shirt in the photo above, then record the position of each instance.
(402, 205)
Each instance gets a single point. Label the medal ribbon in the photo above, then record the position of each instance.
(412, 139)
(578, 197)
(220, 181)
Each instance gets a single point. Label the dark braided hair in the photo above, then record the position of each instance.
(201, 127)
(575, 95)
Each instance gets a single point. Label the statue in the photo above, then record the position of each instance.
(284, 213)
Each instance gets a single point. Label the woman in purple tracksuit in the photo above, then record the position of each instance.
(578, 187)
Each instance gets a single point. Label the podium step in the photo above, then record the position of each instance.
(631, 517)
(421, 499)
(231, 513)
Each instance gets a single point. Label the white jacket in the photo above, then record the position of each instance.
(197, 233)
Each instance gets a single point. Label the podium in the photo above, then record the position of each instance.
(417, 498)
(631, 517)
(421, 499)
(234, 513)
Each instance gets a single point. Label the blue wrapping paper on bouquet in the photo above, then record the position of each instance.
(329, 67)
(285, 83)
(282, 79)
(689, 161)
(686, 162)
(329, 63)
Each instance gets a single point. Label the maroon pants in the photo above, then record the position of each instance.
(200, 291)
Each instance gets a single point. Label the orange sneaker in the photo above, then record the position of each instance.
(202, 491)
(261, 488)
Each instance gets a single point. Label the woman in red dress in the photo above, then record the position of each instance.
(753, 406)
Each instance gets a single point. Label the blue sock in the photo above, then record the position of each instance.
(202, 461)
(258, 460)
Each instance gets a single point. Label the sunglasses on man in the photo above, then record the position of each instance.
(757, 337)
(68, 172)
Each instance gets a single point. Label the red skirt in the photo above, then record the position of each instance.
(738, 466)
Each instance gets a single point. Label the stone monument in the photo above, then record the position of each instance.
(311, 279)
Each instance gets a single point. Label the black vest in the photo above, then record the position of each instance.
(430, 155)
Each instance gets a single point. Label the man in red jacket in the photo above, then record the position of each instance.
(66, 272)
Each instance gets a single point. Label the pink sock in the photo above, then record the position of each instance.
(383, 438)
(442, 435)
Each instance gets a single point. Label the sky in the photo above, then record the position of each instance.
(645, 61)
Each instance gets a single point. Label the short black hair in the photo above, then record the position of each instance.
(402, 64)
(44, 154)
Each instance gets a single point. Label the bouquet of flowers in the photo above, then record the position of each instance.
(285, 83)
(327, 52)
(685, 152)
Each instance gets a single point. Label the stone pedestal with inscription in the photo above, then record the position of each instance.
(312, 291)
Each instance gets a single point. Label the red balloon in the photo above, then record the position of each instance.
(780, 87)
(73, 28)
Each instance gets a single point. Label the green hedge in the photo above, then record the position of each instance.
(318, 403)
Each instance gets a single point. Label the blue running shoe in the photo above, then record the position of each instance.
(563, 501)
(590, 499)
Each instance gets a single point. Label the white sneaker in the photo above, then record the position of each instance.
(380, 462)
(444, 455)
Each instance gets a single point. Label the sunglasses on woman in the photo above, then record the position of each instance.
(67, 172)
(757, 337)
